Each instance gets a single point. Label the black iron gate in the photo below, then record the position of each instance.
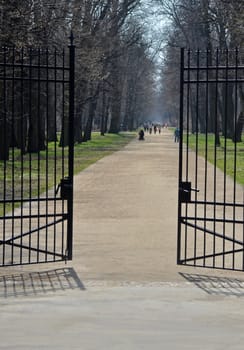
(36, 155)
(211, 160)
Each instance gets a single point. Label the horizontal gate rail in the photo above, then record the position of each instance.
(226, 204)
(186, 261)
(23, 234)
(205, 230)
(56, 215)
(27, 200)
(184, 219)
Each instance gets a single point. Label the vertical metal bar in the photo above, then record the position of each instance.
(243, 228)
(182, 64)
(47, 162)
(38, 151)
(71, 145)
(5, 155)
(196, 152)
(208, 53)
(187, 142)
(216, 144)
(13, 146)
(62, 165)
(2, 173)
(22, 151)
(55, 143)
(63, 111)
(225, 151)
(235, 157)
(30, 157)
(188, 112)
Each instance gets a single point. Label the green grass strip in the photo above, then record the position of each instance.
(100, 146)
(222, 160)
(26, 186)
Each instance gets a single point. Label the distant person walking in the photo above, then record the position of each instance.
(177, 135)
(141, 135)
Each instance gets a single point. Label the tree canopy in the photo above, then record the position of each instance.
(202, 25)
(127, 51)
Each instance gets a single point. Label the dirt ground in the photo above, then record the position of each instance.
(125, 222)
(126, 214)
(125, 217)
(123, 289)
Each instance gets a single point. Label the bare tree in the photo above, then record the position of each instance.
(208, 24)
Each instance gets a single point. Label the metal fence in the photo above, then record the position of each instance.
(211, 160)
(36, 154)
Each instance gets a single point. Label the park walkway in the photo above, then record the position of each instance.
(123, 289)
(127, 213)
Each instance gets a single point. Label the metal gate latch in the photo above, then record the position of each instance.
(65, 187)
(185, 191)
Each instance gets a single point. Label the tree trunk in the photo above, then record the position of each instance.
(64, 138)
(115, 115)
(20, 132)
(228, 114)
(36, 133)
(78, 128)
(104, 107)
(115, 101)
(240, 121)
(37, 121)
(4, 138)
(106, 115)
(239, 127)
(78, 124)
(52, 115)
(19, 122)
(88, 128)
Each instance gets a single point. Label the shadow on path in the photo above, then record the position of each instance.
(37, 283)
(215, 285)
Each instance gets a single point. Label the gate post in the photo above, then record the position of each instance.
(181, 113)
(71, 145)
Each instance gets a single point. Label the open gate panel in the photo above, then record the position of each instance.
(211, 200)
(36, 155)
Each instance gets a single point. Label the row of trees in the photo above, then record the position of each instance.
(114, 85)
(116, 62)
(205, 25)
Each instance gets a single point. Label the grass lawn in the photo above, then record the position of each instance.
(225, 158)
(29, 175)
(100, 146)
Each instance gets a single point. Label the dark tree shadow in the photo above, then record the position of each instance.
(36, 283)
(215, 285)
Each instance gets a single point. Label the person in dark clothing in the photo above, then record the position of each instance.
(141, 135)
(177, 135)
